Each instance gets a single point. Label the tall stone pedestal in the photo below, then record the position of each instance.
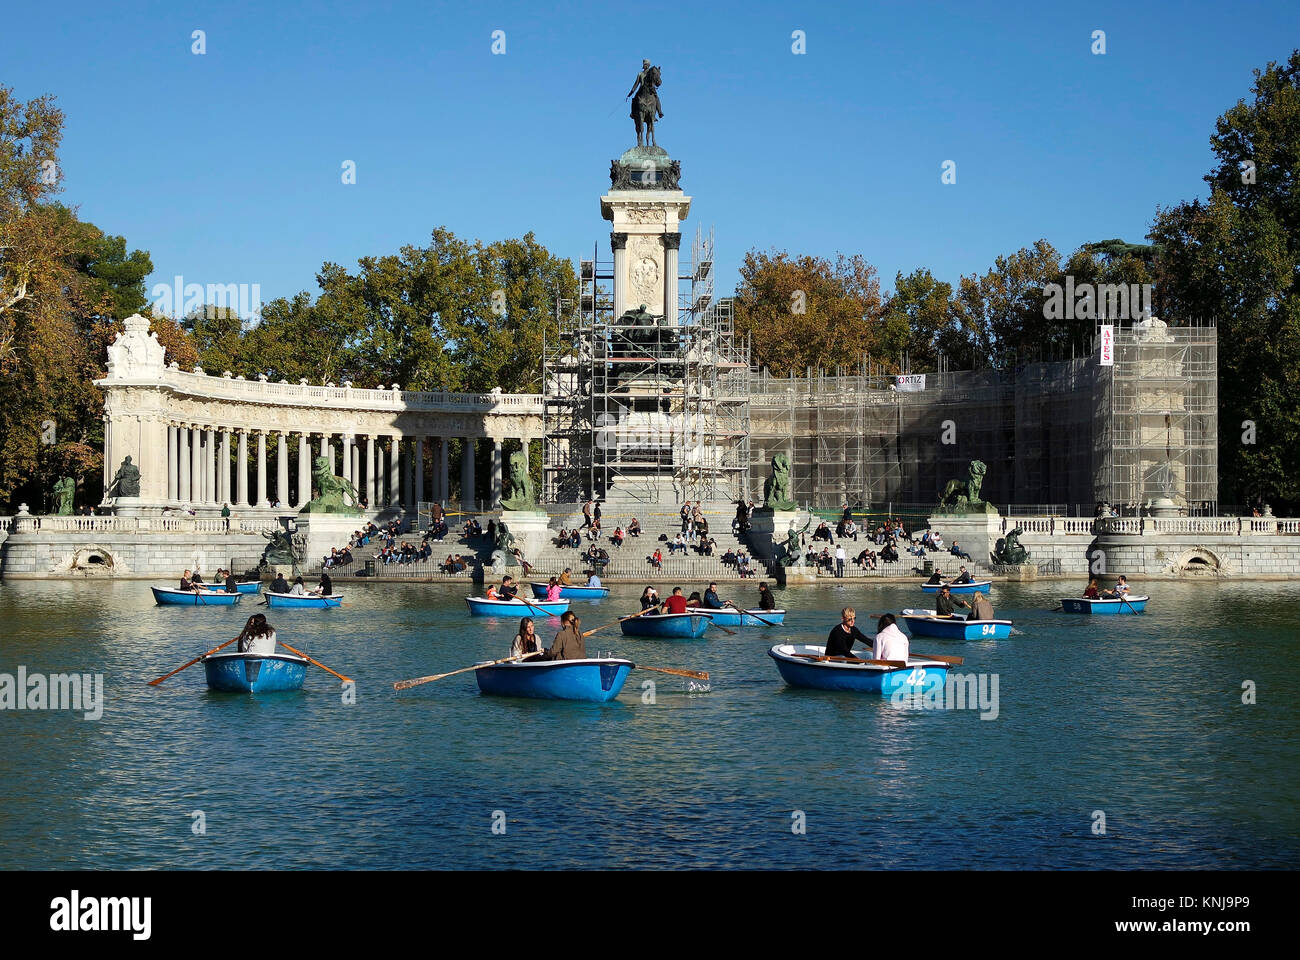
(528, 527)
(976, 534)
(767, 536)
(326, 530)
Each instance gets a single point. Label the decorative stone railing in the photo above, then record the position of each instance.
(309, 395)
(54, 524)
(1139, 526)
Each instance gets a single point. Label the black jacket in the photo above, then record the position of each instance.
(840, 642)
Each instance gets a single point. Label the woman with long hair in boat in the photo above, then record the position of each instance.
(569, 643)
(258, 636)
(525, 641)
(553, 590)
(1090, 593)
(649, 598)
(891, 643)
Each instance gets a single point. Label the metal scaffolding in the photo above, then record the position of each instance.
(641, 409)
(1057, 437)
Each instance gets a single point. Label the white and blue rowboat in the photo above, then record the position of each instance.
(598, 680)
(800, 668)
(254, 672)
(303, 600)
(249, 586)
(731, 617)
(975, 586)
(926, 623)
(671, 626)
(1127, 605)
(167, 597)
(573, 593)
(483, 607)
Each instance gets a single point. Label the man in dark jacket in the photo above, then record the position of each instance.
(844, 634)
(765, 599)
(232, 585)
(280, 585)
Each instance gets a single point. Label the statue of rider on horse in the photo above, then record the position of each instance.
(645, 103)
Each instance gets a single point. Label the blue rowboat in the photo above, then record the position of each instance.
(573, 593)
(673, 626)
(1127, 605)
(975, 586)
(254, 672)
(249, 586)
(731, 617)
(598, 680)
(483, 607)
(924, 623)
(799, 668)
(165, 596)
(305, 600)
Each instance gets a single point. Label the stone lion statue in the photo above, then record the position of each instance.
(776, 491)
(1009, 549)
(964, 495)
(519, 484)
(334, 494)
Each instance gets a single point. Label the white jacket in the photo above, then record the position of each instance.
(891, 644)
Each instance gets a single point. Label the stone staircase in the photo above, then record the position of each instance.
(629, 561)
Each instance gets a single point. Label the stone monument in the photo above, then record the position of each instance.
(135, 360)
(963, 517)
(520, 524)
(65, 489)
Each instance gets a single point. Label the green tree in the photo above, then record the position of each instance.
(809, 311)
(1234, 260)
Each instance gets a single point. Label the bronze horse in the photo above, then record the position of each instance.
(646, 105)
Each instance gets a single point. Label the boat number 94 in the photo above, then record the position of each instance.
(988, 628)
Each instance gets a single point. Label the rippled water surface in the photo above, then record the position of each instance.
(1138, 717)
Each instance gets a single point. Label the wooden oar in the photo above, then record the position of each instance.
(955, 661)
(317, 662)
(1124, 600)
(746, 613)
(693, 674)
(722, 628)
(533, 605)
(603, 626)
(896, 664)
(407, 684)
(154, 683)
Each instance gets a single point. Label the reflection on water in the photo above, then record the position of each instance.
(1140, 717)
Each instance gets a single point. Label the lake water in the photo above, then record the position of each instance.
(1139, 717)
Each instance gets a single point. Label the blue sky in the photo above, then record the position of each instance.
(226, 166)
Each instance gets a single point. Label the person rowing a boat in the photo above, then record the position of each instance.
(569, 643)
(526, 641)
(187, 583)
(712, 601)
(326, 586)
(508, 588)
(765, 599)
(257, 636)
(1120, 591)
(844, 635)
(674, 604)
(962, 577)
(566, 578)
(891, 643)
(944, 606)
(594, 580)
(935, 578)
(232, 585)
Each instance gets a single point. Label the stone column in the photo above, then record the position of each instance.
(370, 471)
(261, 470)
(356, 466)
(467, 476)
(210, 467)
(418, 462)
(241, 469)
(282, 470)
(183, 463)
(223, 468)
(173, 462)
(394, 471)
(345, 455)
(494, 497)
(409, 494)
(618, 243)
(672, 241)
(304, 470)
(444, 461)
(196, 466)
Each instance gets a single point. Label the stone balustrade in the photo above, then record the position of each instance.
(1209, 526)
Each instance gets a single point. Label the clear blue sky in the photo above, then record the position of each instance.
(226, 166)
